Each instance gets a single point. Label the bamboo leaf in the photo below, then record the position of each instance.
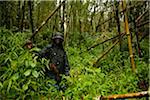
(9, 86)
(15, 77)
(33, 65)
(25, 87)
(14, 65)
(35, 74)
(27, 73)
(1, 85)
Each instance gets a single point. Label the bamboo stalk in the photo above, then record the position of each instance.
(144, 23)
(130, 7)
(101, 56)
(121, 96)
(46, 20)
(138, 19)
(95, 45)
(128, 36)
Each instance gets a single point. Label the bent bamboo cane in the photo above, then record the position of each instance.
(46, 20)
(122, 96)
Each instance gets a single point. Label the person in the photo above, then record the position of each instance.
(29, 44)
(57, 56)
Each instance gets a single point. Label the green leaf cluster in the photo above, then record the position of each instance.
(22, 74)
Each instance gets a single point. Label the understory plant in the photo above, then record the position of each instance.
(22, 73)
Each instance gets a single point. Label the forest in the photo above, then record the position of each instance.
(106, 42)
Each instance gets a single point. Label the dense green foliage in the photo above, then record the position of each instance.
(88, 22)
(22, 73)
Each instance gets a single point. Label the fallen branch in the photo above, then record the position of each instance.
(121, 96)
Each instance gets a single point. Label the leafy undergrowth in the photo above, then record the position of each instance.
(22, 73)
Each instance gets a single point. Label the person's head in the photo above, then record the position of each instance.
(58, 38)
(29, 44)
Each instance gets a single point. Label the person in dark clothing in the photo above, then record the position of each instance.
(57, 56)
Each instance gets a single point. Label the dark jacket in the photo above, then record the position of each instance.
(57, 56)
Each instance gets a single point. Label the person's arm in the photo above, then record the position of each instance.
(44, 53)
(67, 67)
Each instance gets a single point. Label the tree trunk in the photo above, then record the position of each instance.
(30, 5)
(129, 37)
(23, 15)
(118, 23)
(18, 15)
(65, 23)
(137, 38)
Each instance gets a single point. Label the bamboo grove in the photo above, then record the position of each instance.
(103, 38)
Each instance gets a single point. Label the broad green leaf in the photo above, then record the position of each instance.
(25, 87)
(35, 58)
(14, 65)
(35, 73)
(26, 63)
(28, 72)
(15, 87)
(15, 76)
(9, 85)
(1, 85)
(33, 65)
(34, 87)
(35, 49)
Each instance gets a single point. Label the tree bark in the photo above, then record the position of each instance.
(23, 15)
(137, 37)
(30, 5)
(118, 23)
(128, 36)
(18, 15)
(122, 96)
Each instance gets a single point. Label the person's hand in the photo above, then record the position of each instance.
(54, 68)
